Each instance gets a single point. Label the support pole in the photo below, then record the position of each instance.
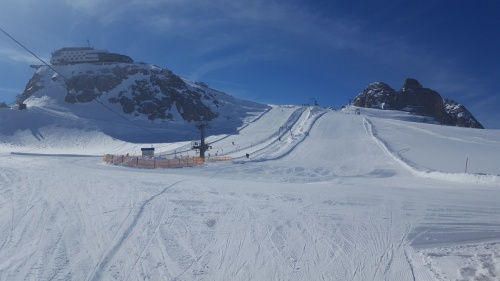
(203, 146)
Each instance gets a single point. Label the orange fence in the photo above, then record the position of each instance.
(160, 162)
(219, 159)
(152, 162)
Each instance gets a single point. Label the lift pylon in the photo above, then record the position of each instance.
(202, 146)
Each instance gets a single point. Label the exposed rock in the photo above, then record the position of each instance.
(422, 101)
(155, 95)
(86, 87)
(143, 91)
(377, 95)
(411, 83)
(460, 115)
(418, 100)
(35, 84)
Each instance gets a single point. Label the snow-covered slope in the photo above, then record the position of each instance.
(136, 103)
(324, 195)
(427, 147)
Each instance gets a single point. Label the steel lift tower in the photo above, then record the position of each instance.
(202, 146)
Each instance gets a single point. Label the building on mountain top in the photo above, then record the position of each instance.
(73, 55)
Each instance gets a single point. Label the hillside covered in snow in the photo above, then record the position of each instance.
(355, 194)
(134, 93)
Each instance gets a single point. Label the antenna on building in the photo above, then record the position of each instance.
(88, 43)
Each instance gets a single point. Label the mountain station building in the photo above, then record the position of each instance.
(73, 55)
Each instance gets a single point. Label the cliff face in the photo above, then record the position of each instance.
(416, 99)
(422, 101)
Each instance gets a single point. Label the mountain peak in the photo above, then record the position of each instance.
(418, 100)
(144, 93)
(411, 83)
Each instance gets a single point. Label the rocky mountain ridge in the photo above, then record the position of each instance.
(139, 89)
(418, 100)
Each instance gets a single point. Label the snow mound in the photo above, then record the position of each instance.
(465, 262)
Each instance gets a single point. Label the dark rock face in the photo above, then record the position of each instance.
(35, 84)
(422, 101)
(155, 95)
(411, 83)
(460, 116)
(418, 100)
(86, 87)
(377, 95)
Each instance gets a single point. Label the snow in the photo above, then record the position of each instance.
(324, 195)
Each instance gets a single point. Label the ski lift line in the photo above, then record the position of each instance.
(19, 43)
(187, 133)
(130, 121)
(105, 106)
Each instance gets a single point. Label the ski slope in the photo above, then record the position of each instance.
(324, 195)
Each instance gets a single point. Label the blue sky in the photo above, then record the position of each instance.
(280, 52)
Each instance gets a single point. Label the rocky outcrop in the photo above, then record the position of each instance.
(35, 84)
(159, 92)
(88, 86)
(377, 95)
(422, 101)
(418, 100)
(157, 96)
(460, 115)
(139, 89)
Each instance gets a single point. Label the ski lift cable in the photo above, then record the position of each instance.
(187, 133)
(19, 43)
(105, 106)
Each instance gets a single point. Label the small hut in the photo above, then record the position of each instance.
(148, 151)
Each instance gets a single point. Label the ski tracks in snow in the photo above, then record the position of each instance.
(305, 238)
(365, 239)
(108, 257)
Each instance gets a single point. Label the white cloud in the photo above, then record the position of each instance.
(11, 91)
(12, 55)
(88, 5)
(240, 58)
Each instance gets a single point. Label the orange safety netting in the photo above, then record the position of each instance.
(159, 162)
